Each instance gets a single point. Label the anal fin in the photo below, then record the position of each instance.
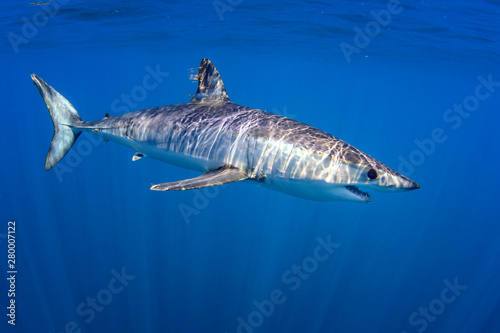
(223, 175)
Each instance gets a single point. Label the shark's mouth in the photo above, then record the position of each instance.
(360, 194)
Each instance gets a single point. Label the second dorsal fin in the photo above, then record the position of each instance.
(210, 85)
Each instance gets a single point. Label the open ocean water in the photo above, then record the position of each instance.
(415, 84)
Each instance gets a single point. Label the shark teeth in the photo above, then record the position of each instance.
(362, 195)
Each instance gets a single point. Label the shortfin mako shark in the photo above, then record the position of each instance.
(228, 143)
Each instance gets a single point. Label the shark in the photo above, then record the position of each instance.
(228, 143)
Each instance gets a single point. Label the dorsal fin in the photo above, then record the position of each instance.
(210, 85)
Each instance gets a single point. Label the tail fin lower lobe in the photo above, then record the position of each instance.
(64, 117)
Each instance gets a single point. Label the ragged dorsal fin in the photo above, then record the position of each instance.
(210, 85)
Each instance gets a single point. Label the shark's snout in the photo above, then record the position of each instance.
(396, 183)
(413, 186)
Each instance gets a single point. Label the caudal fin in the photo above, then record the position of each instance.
(64, 117)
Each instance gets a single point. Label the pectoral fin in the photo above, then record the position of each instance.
(223, 175)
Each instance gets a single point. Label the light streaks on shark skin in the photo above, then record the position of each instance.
(250, 140)
(230, 143)
(201, 198)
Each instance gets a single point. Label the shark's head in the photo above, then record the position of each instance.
(356, 171)
(345, 175)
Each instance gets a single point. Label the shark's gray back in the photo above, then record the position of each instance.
(259, 142)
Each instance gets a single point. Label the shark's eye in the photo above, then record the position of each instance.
(372, 174)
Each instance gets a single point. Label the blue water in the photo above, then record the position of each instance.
(97, 251)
